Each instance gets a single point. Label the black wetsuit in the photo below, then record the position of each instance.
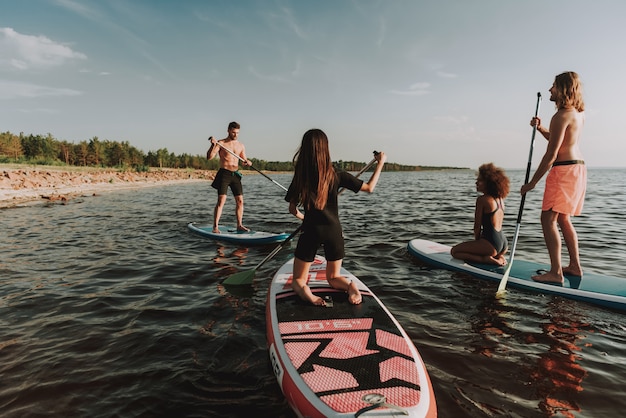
(322, 227)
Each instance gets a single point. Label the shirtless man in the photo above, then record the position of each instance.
(228, 174)
(567, 178)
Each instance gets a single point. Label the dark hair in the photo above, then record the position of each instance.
(233, 125)
(496, 181)
(314, 174)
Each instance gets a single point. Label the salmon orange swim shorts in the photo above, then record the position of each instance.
(565, 188)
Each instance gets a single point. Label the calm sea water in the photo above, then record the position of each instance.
(110, 307)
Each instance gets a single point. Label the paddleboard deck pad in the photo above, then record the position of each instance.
(592, 288)
(232, 235)
(343, 360)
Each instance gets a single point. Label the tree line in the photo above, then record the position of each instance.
(47, 150)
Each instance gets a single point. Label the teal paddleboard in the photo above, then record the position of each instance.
(593, 288)
(232, 235)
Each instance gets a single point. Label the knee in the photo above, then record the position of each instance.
(563, 219)
(548, 218)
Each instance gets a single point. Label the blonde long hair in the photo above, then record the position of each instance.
(314, 174)
(569, 91)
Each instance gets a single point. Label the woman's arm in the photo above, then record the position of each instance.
(371, 184)
(478, 218)
(293, 209)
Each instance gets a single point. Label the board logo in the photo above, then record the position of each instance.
(276, 367)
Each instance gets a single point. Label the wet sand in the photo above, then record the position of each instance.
(22, 185)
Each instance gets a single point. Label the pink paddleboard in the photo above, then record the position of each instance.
(344, 360)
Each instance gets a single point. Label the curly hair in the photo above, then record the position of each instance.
(496, 181)
(569, 91)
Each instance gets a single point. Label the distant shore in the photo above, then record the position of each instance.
(22, 185)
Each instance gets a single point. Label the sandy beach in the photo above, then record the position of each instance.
(22, 185)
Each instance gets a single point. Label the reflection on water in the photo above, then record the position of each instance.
(490, 325)
(109, 306)
(228, 258)
(558, 375)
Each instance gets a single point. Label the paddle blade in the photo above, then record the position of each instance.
(505, 278)
(240, 278)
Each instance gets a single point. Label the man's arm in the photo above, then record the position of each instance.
(558, 125)
(242, 155)
(536, 121)
(213, 150)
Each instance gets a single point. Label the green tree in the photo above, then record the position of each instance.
(66, 152)
(81, 150)
(10, 145)
(96, 151)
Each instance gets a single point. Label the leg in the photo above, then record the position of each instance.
(571, 242)
(298, 284)
(480, 251)
(337, 281)
(500, 259)
(239, 213)
(217, 212)
(553, 242)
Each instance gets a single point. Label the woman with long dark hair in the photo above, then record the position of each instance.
(315, 187)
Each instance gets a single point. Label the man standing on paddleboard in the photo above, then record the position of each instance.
(567, 178)
(231, 152)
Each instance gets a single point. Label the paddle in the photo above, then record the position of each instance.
(246, 277)
(254, 168)
(507, 272)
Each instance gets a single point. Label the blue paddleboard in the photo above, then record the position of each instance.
(232, 235)
(593, 288)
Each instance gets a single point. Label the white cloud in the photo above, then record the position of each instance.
(446, 75)
(272, 77)
(26, 52)
(415, 89)
(14, 90)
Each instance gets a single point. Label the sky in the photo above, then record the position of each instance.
(440, 82)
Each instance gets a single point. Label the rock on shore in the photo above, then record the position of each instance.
(19, 186)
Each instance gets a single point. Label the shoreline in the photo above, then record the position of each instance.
(26, 185)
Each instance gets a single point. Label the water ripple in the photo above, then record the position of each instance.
(109, 306)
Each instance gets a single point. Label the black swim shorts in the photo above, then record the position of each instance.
(226, 178)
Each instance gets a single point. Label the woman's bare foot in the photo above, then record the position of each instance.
(242, 228)
(499, 260)
(354, 295)
(305, 294)
(548, 277)
(572, 271)
(216, 230)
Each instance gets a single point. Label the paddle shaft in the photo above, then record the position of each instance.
(505, 276)
(279, 247)
(254, 168)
